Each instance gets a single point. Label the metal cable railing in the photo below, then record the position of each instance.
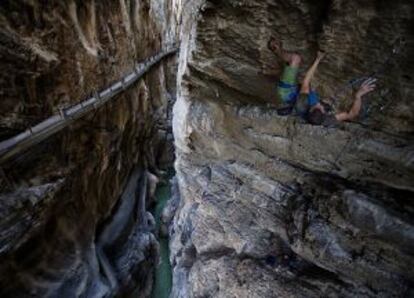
(36, 134)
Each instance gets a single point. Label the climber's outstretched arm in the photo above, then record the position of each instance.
(306, 83)
(366, 87)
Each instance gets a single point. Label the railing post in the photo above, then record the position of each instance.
(98, 99)
(62, 113)
(97, 95)
(123, 84)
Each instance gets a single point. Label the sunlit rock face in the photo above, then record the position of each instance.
(59, 197)
(271, 206)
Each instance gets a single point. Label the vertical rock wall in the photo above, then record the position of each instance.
(58, 198)
(271, 206)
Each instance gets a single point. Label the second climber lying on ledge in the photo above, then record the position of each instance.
(302, 99)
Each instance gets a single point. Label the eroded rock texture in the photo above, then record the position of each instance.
(79, 198)
(271, 206)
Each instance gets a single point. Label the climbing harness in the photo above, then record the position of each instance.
(291, 99)
(288, 86)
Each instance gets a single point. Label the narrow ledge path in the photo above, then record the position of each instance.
(48, 127)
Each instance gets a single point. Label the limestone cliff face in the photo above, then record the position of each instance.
(58, 198)
(271, 206)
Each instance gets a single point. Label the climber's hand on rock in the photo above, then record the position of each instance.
(367, 86)
(320, 55)
(274, 45)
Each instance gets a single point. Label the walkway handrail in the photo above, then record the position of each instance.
(36, 134)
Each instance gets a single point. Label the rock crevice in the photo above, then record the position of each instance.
(270, 205)
(58, 196)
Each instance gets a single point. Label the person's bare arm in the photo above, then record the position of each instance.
(366, 87)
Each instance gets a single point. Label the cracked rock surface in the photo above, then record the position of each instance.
(269, 205)
(57, 198)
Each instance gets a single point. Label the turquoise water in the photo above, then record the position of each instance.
(163, 272)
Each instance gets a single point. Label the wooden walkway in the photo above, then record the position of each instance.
(36, 134)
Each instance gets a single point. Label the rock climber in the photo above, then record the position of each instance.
(302, 99)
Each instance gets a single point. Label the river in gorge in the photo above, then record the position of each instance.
(163, 272)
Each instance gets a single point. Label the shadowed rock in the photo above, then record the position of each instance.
(284, 208)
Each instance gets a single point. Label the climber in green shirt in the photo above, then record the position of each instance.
(302, 99)
(295, 97)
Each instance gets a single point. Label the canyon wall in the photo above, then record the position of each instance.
(71, 225)
(271, 206)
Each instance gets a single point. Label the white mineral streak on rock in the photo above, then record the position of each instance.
(271, 206)
(181, 126)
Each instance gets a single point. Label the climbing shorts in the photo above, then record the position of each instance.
(287, 88)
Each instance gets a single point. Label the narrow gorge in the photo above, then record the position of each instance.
(143, 154)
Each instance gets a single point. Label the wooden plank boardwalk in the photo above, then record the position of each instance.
(48, 127)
